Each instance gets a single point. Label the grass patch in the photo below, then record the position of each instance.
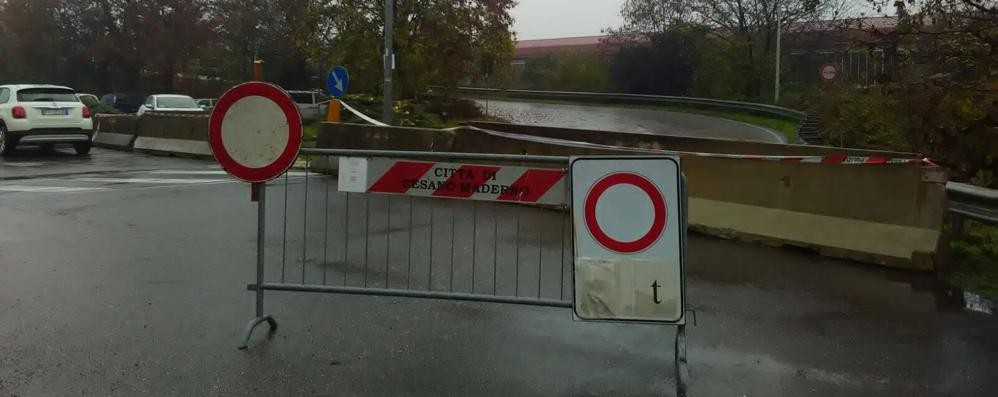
(311, 131)
(785, 127)
(976, 259)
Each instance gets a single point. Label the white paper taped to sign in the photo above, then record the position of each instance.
(637, 290)
(352, 175)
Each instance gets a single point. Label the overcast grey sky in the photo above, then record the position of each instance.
(545, 19)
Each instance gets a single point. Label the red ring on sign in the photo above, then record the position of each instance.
(287, 157)
(658, 205)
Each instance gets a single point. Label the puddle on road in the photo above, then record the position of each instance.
(864, 288)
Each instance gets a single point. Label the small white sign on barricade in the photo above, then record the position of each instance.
(452, 180)
(628, 219)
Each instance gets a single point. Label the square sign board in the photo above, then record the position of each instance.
(629, 231)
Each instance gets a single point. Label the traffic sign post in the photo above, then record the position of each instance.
(338, 82)
(629, 239)
(255, 133)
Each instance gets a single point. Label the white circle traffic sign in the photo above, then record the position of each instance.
(255, 131)
(658, 214)
(828, 71)
(628, 237)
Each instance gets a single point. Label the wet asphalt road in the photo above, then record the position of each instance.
(124, 274)
(625, 119)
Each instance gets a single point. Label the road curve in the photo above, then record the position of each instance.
(625, 119)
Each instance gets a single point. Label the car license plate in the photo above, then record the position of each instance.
(55, 112)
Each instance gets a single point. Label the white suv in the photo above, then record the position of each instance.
(43, 115)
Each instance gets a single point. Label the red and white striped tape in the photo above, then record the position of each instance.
(452, 180)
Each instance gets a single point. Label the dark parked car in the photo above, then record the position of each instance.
(125, 103)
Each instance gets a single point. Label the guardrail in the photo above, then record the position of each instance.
(807, 124)
(974, 202)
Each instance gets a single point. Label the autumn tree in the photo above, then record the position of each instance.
(153, 45)
(742, 33)
(169, 34)
(4, 51)
(436, 41)
(942, 99)
(30, 56)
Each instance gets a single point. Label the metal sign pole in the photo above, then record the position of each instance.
(261, 241)
(389, 61)
(682, 365)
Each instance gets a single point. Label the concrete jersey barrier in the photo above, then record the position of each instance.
(116, 131)
(889, 214)
(183, 134)
(683, 143)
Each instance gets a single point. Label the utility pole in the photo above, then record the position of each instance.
(386, 116)
(779, 32)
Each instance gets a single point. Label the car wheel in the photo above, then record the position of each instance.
(82, 148)
(7, 142)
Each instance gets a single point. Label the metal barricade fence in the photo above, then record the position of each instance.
(418, 247)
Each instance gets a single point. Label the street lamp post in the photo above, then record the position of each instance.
(779, 32)
(389, 61)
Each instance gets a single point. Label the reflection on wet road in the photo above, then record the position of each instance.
(625, 119)
(117, 284)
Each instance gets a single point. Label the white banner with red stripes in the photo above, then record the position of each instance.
(452, 180)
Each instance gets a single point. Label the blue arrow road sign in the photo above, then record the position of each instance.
(338, 82)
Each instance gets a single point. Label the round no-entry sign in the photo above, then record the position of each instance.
(828, 71)
(255, 132)
(658, 212)
(628, 234)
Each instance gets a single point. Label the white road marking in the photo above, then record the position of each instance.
(23, 164)
(186, 172)
(153, 181)
(47, 189)
(216, 172)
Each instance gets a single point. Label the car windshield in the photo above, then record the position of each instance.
(302, 97)
(46, 95)
(131, 99)
(176, 102)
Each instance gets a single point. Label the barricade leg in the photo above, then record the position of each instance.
(682, 366)
(261, 241)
